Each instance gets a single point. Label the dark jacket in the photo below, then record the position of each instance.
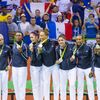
(48, 53)
(36, 58)
(84, 56)
(20, 59)
(96, 60)
(66, 64)
(5, 55)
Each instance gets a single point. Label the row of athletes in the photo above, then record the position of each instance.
(63, 60)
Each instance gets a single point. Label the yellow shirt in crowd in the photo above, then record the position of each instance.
(4, 18)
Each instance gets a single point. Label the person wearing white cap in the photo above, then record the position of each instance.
(24, 27)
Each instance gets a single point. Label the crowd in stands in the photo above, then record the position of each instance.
(36, 23)
(69, 17)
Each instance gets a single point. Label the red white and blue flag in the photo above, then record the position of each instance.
(40, 6)
(64, 28)
(16, 2)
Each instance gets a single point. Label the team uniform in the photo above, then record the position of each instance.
(5, 55)
(19, 69)
(36, 73)
(97, 71)
(50, 68)
(84, 56)
(67, 71)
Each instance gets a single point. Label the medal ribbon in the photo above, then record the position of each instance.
(43, 41)
(62, 54)
(1, 50)
(19, 45)
(75, 49)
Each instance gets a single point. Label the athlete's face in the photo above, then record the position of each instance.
(61, 41)
(98, 38)
(79, 40)
(33, 38)
(42, 36)
(19, 36)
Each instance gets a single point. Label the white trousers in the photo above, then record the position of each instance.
(36, 75)
(80, 74)
(19, 76)
(47, 72)
(4, 85)
(64, 76)
(97, 74)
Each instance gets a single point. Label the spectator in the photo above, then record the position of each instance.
(3, 21)
(76, 28)
(76, 16)
(24, 27)
(46, 23)
(95, 1)
(60, 25)
(13, 10)
(78, 9)
(54, 13)
(38, 17)
(60, 18)
(33, 27)
(12, 29)
(98, 12)
(67, 16)
(98, 8)
(17, 19)
(88, 10)
(91, 27)
(63, 5)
